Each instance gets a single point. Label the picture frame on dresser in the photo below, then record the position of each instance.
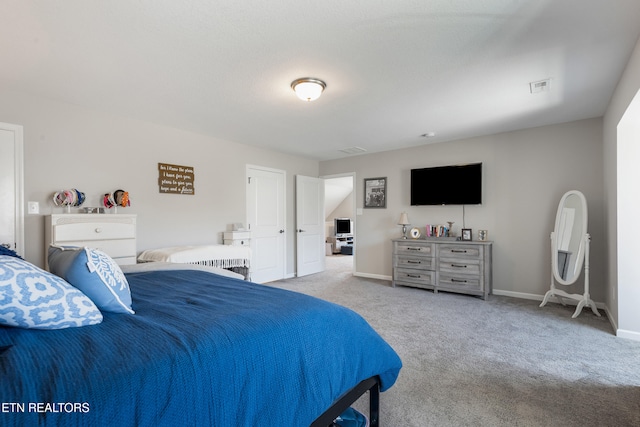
(466, 234)
(375, 192)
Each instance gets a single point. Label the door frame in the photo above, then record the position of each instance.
(354, 213)
(18, 171)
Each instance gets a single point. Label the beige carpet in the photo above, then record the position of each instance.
(500, 362)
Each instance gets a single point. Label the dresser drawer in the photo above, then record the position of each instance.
(231, 235)
(237, 242)
(414, 277)
(414, 248)
(460, 266)
(422, 263)
(459, 282)
(93, 231)
(460, 251)
(114, 248)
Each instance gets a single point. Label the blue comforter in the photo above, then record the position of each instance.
(201, 350)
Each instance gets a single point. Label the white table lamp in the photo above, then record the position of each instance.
(404, 221)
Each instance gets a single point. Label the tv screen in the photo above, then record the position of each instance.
(342, 226)
(447, 185)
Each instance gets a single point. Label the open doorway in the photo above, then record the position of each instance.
(340, 224)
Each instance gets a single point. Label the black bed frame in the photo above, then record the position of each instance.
(372, 385)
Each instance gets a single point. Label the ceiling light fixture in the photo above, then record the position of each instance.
(308, 89)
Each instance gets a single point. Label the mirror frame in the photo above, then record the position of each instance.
(581, 249)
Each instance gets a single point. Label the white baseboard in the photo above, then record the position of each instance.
(373, 276)
(600, 305)
(535, 297)
(632, 335)
(521, 295)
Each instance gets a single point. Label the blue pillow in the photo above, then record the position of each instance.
(33, 298)
(8, 252)
(95, 274)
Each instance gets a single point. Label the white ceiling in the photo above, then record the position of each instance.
(394, 69)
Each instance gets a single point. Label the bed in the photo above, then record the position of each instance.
(230, 257)
(201, 349)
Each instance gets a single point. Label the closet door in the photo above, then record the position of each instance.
(266, 222)
(11, 190)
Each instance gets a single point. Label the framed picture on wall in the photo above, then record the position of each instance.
(375, 192)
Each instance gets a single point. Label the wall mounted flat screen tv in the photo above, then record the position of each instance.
(447, 185)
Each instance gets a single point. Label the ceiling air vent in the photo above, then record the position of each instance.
(539, 86)
(353, 150)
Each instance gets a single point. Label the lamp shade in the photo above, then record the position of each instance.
(404, 219)
(308, 89)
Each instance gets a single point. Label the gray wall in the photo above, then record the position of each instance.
(525, 175)
(621, 298)
(67, 146)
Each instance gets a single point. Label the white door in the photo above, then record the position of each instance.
(266, 221)
(11, 210)
(310, 240)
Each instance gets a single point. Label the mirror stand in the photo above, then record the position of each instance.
(584, 300)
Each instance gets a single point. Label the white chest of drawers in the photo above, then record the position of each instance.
(114, 234)
(237, 238)
(446, 265)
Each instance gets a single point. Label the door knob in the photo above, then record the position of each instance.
(281, 231)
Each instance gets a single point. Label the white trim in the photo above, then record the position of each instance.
(19, 184)
(520, 295)
(372, 276)
(537, 297)
(631, 335)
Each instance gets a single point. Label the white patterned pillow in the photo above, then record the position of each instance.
(33, 298)
(95, 273)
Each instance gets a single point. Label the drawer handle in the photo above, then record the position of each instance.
(409, 261)
(458, 281)
(458, 266)
(414, 249)
(98, 230)
(459, 251)
(415, 276)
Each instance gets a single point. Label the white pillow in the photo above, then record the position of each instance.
(33, 298)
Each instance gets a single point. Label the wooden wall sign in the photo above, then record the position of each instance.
(175, 179)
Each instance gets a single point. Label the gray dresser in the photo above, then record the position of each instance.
(443, 265)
